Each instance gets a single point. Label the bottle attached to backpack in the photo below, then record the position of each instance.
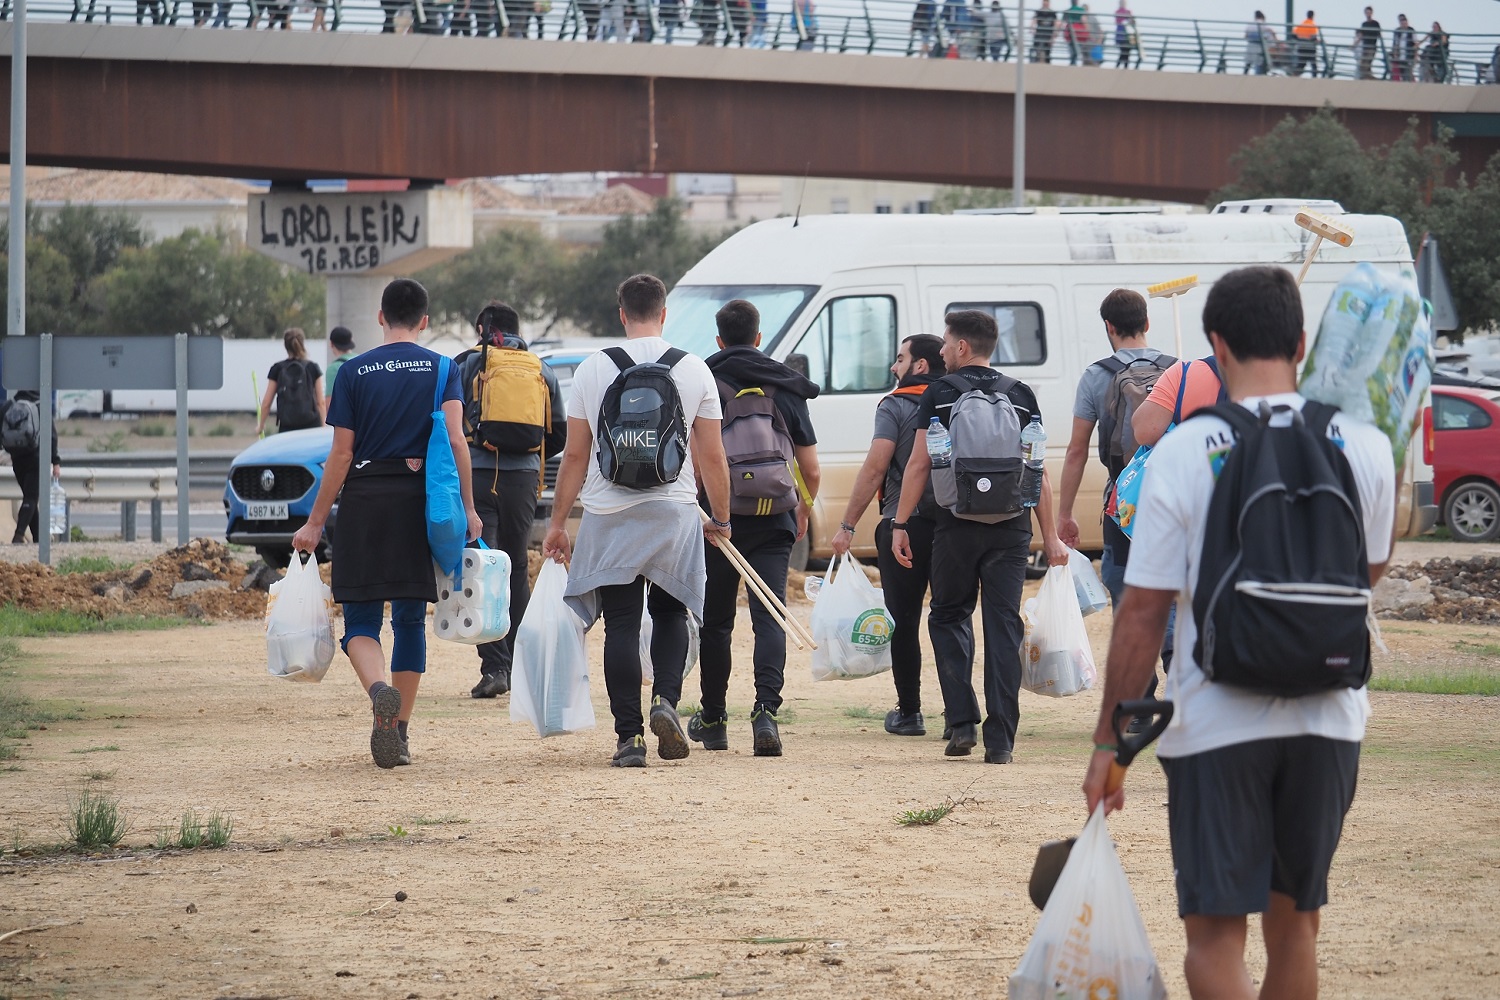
(1283, 593)
(296, 407)
(507, 405)
(983, 480)
(759, 449)
(939, 444)
(1034, 452)
(642, 434)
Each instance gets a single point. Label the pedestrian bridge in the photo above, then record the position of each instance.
(295, 105)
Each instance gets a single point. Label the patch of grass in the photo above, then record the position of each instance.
(111, 748)
(163, 841)
(190, 830)
(925, 817)
(106, 443)
(9, 650)
(1473, 682)
(446, 819)
(216, 833)
(7, 751)
(98, 775)
(223, 429)
(861, 712)
(16, 621)
(397, 830)
(89, 564)
(1478, 648)
(152, 430)
(686, 709)
(94, 821)
(786, 714)
(75, 534)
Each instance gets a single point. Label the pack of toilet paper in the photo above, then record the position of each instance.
(474, 606)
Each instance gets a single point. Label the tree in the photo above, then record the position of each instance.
(196, 283)
(659, 243)
(516, 265)
(1318, 157)
(65, 254)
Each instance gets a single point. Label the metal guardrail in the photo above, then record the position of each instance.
(950, 29)
(206, 469)
(113, 484)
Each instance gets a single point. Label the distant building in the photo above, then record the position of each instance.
(165, 204)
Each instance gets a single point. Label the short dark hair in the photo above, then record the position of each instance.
(926, 347)
(404, 303)
(975, 328)
(739, 322)
(1257, 312)
(1126, 310)
(341, 337)
(496, 315)
(642, 297)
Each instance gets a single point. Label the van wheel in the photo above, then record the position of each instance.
(1472, 512)
(1036, 566)
(801, 549)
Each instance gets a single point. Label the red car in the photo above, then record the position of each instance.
(1464, 438)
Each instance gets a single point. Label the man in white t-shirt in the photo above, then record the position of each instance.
(638, 548)
(1258, 785)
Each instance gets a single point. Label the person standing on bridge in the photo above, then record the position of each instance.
(1307, 46)
(1366, 41)
(1043, 26)
(1403, 50)
(1260, 42)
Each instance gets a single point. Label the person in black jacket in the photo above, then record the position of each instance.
(25, 465)
(765, 540)
(918, 363)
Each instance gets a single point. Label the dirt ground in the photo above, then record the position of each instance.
(532, 869)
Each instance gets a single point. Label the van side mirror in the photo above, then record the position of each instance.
(799, 364)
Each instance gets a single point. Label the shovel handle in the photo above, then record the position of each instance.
(1116, 779)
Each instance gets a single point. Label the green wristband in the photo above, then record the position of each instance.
(1105, 748)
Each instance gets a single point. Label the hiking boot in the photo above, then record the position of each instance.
(763, 728)
(899, 723)
(670, 743)
(963, 739)
(385, 737)
(405, 759)
(630, 753)
(995, 755)
(947, 726)
(713, 735)
(491, 686)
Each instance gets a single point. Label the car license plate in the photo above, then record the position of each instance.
(265, 512)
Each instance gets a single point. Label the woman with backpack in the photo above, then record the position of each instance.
(296, 385)
(20, 435)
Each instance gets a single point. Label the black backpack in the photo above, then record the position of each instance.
(1284, 578)
(642, 436)
(296, 409)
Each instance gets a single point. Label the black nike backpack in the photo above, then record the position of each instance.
(1283, 590)
(642, 435)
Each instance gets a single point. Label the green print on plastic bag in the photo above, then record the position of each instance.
(873, 628)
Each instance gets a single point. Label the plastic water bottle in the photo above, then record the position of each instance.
(812, 586)
(1034, 454)
(939, 444)
(59, 525)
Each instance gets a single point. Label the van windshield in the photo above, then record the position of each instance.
(691, 309)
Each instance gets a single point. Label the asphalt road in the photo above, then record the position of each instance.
(103, 520)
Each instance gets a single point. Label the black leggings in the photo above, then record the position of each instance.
(622, 606)
(26, 465)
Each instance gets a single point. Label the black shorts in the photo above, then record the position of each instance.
(1255, 818)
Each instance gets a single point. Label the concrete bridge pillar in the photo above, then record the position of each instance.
(360, 241)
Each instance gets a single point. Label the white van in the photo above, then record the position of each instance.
(838, 293)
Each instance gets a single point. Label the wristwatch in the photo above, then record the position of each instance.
(899, 525)
(846, 526)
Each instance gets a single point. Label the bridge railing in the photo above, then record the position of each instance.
(871, 27)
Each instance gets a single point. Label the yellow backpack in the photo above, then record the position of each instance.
(507, 406)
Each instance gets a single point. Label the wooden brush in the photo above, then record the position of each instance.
(1174, 289)
(1322, 228)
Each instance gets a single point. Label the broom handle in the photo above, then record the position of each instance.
(1177, 324)
(785, 619)
(1312, 252)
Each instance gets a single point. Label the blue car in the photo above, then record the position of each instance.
(270, 493)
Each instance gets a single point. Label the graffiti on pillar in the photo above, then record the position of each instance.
(332, 234)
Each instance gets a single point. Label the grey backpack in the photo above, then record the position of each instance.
(983, 480)
(758, 448)
(21, 428)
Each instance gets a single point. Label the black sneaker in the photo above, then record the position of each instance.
(405, 759)
(898, 723)
(962, 740)
(385, 737)
(630, 753)
(994, 755)
(767, 736)
(713, 735)
(947, 726)
(491, 686)
(670, 743)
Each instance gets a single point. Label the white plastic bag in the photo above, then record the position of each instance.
(299, 623)
(1091, 941)
(549, 678)
(1092, 594)
(648, 670)
(475, 607)
(1056, 659)
(850, 624)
